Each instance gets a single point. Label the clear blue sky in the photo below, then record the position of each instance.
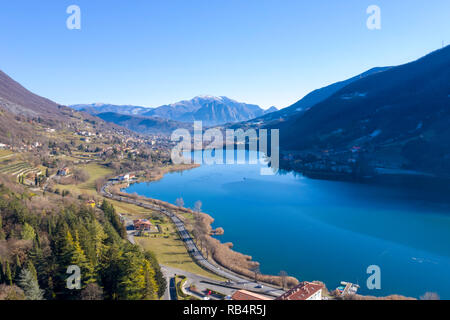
(267, 52)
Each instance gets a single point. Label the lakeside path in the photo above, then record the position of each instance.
(237, 281)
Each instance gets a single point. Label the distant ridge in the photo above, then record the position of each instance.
(400, 117)
(209, 109)
(143, 124)
(310, 100)
(96, 108)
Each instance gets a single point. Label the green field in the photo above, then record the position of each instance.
(168, 247)
(95, 172)
(171, 252)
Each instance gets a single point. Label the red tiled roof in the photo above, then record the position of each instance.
(247, 295)
(301, 292)
(142, 222)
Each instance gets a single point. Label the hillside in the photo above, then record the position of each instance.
(17, 100)
(29, 120)
(308, 101)
(398, 119)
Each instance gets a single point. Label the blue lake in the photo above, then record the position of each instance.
(323, 230)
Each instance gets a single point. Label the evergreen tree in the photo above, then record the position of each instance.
(159, 276)
(17, 267)
(30, 286)
(150, 289)
(132, 285)
(110, 214)
(79, 259)
(2, 233)
(30, 267)
(8, 274)
(2, 273)
(111, 271)
(28, 232)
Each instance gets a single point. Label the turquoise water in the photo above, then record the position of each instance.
(323, 230)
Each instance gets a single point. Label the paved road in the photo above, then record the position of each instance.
(172, 289)
(236, 280)
(130, 230)
(203, 283)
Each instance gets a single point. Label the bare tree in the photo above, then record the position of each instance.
(196, 232)
(80, 175)
(99, 184)
(92, 292)
(430, 296)
(180, 202)
(283, 275)
(198, 206)
(256, 272)
(207, 247)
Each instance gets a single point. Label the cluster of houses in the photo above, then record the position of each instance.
(22, 148)
(303, 291)
(85, 133)
(330, 160)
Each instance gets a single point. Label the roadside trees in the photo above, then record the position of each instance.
(180, 202)
(283, 275)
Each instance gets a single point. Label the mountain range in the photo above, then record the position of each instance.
(208, 109)
(397, 117)
(96, 108)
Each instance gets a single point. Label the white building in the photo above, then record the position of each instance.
(124, 177)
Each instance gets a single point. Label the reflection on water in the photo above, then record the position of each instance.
(323, 230)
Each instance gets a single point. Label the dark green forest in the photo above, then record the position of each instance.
(42, 235)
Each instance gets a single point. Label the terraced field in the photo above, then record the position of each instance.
(18, 168)
(4, 153)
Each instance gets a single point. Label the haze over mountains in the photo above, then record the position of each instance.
(208, 109)
(96, 108)
(145, 125)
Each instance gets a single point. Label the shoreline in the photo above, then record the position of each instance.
(268, 279)
(223, 252)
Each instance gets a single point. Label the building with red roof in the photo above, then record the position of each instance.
(304, 291)
(248, 295)
(142, 225)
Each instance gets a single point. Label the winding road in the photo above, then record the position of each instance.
(236, 281)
